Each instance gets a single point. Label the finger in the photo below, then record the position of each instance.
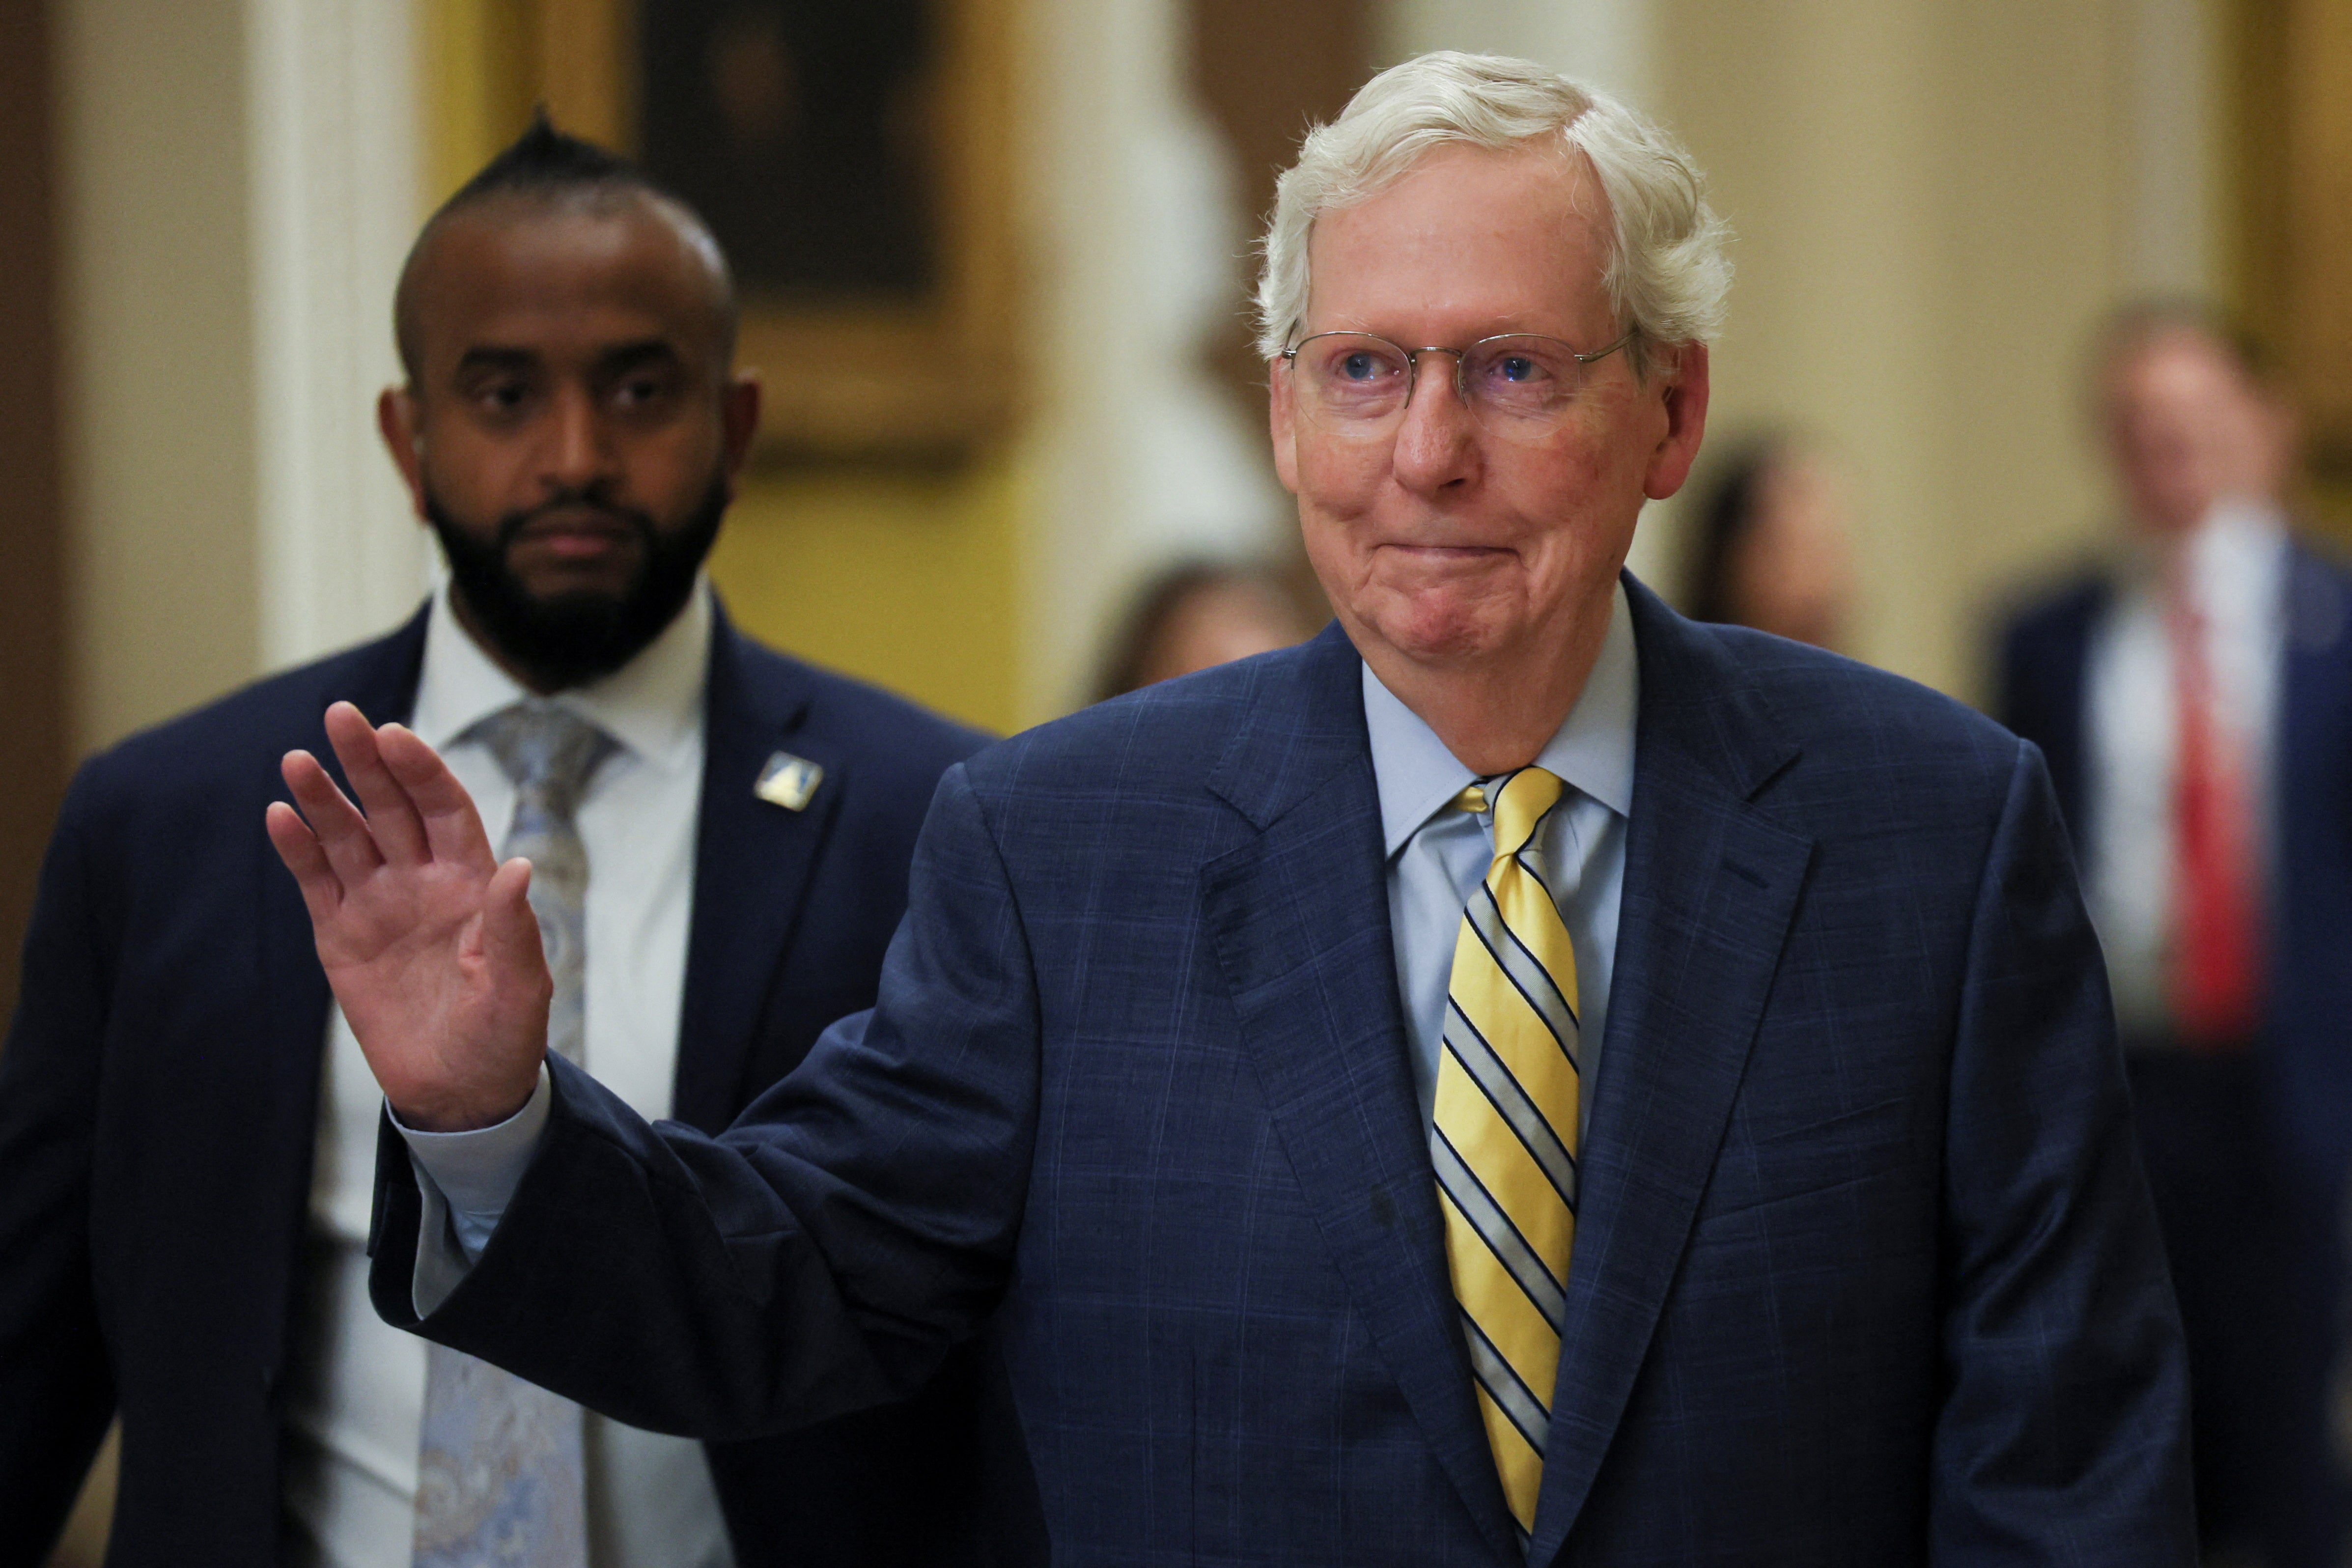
(511, 940)
(298, 847)
(399, 834)
(506, 940)
(341, 832)
(453, 827)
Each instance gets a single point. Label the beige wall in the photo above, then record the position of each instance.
(160, 474)
(1934, 201)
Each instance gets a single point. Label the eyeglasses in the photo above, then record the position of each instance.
(1518, 385)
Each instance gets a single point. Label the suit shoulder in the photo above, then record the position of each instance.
(1854, 720)
(234, 741)
(880, 728)
(1162, 738)
(2048, 609)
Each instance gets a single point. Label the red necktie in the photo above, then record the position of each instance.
(2217, 920)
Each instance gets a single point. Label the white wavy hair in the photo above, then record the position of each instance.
(1667, 274)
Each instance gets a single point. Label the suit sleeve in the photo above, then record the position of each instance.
(55, 1393)
(2062, 1435)
(822, 1254)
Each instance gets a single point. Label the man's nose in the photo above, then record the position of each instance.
(1436, 438)
(578, 452)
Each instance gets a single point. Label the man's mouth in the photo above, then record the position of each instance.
(1441, 555)
(576, 535)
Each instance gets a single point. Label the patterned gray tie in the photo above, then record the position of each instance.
(498, 1466)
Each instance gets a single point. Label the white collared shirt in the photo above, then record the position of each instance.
(1437, 856)
(2235, 572)
(357, 1386)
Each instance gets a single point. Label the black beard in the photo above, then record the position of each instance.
(576, 638)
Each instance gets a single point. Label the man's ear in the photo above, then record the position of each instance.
(1684, 385)
(1281, 414)
(739, 416)
(403, 437)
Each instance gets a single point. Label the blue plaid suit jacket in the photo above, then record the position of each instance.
(1865, 1272)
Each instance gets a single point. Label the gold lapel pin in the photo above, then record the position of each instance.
(788, 781)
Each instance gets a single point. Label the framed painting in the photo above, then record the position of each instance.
(856, 160)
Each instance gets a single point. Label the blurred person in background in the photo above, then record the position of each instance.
(720, 838)
(2194, 700)
(1773, 548)
(1198, 615)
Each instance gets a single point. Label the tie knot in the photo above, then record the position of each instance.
(1519, 801)
(545, 750)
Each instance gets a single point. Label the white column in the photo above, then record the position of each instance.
(1139, 459)
(333, 137)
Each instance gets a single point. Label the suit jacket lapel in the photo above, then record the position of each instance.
(1710, 887)
(753, 864)
(1299, 919)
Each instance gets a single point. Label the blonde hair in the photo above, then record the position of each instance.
(1666, 275)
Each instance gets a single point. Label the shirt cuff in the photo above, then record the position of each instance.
(476, 1173)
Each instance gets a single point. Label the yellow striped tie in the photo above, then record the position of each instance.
(1504, 1139)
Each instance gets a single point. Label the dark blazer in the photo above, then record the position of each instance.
(1865, 1272)
(159, 1094)
(2306, 1042)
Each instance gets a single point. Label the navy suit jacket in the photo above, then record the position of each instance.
(2306, 1040)
(158, 1096)
(1865, 1272)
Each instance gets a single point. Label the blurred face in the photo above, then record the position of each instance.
(573, 431)
(1792, 574)
(1443, 543)
(1218, 622)
(2187, 429)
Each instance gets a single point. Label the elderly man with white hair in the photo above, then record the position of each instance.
(1523, 1078)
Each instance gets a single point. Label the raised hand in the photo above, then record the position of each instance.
(429, 942)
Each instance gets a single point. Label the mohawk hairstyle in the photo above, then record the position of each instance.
(545, 160)
(546, 164)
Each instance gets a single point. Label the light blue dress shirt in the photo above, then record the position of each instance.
(1438, 855)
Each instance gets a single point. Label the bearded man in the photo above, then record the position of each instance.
(187, 1130)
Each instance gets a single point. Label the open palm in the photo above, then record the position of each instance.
(429, 942)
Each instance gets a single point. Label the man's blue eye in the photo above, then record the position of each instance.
(1360, 366)
(1517, 367)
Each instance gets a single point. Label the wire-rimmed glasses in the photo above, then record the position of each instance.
(1517, 384)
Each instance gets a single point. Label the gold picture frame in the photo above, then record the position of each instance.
(925, 376)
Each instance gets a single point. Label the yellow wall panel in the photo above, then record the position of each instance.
(911, 581)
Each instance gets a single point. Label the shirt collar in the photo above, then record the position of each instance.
(2239, 536)
(1592, 750)
(651, 705)
(2237, 541)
